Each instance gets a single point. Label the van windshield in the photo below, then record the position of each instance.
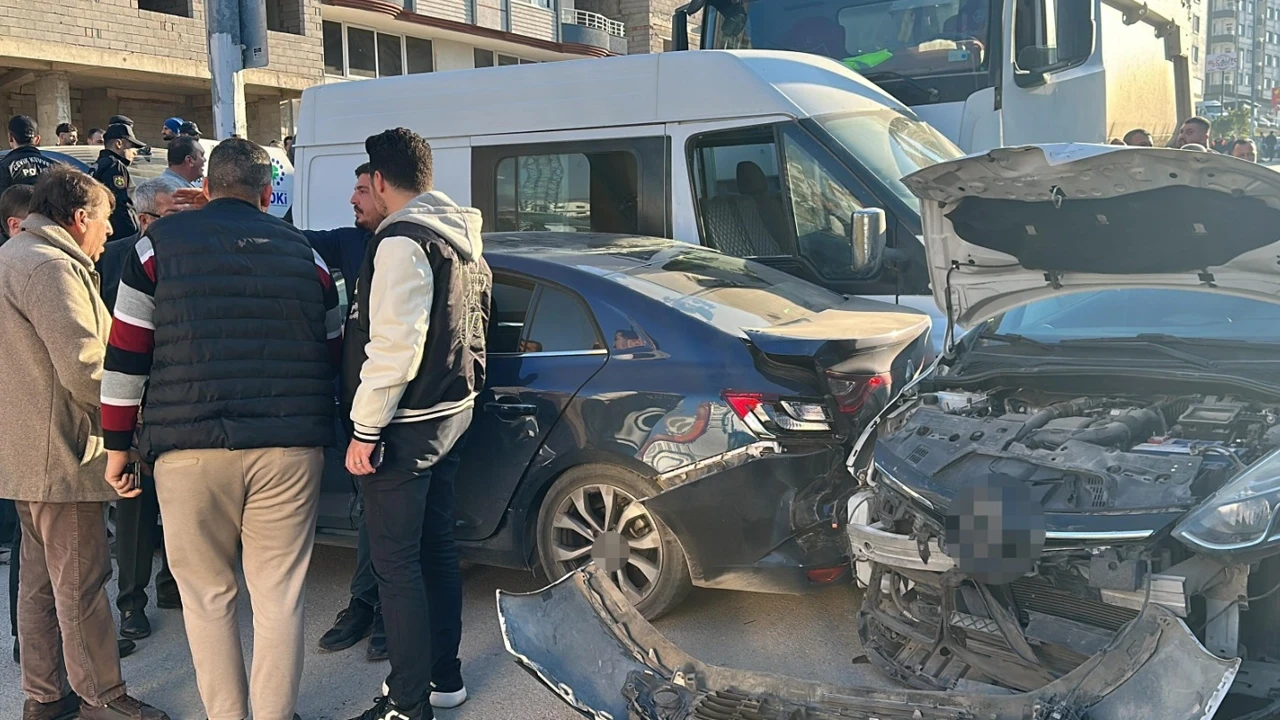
(891, 145)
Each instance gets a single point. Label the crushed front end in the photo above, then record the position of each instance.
(615, 665)
(1112, 481)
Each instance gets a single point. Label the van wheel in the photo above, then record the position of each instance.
(591, 514)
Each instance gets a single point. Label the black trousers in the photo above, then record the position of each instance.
(9, 511)
(409, 515)
(137, 537)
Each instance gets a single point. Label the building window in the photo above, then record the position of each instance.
(488, 58)
(285, 16)
(1195, 24)
(334, 64)
(572, 192)
(390, 59)
(362, 53)
(181, 8)
(419, 55)
(1195, 54)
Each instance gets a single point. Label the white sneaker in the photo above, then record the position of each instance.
(448, 700)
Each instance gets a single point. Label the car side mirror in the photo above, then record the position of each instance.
(867, 236)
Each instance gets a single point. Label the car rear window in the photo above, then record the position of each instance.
(728, 292)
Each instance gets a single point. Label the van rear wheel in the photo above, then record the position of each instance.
(591, 514)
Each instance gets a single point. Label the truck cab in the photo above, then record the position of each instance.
(987, 73)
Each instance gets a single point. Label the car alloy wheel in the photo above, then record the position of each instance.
(605, 524)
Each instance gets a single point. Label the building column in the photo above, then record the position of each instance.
(53, 104)
(96, 108)
(266, 121)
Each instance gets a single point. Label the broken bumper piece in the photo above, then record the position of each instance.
(591, 648)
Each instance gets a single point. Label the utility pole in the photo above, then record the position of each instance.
(237, 31)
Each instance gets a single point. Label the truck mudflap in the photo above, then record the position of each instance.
(582, 639)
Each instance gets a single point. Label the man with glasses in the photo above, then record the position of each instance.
(152, 200)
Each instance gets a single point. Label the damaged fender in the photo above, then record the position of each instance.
(582, 639)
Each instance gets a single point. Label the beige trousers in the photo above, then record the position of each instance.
(215, 503)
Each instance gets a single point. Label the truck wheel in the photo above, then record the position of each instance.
(591, 514)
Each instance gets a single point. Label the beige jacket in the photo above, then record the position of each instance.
(53, 331)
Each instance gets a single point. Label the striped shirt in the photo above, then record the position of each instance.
(132, 341)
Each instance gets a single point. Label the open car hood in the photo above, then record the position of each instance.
(1016, 225)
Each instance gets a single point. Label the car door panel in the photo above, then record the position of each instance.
(523, 400)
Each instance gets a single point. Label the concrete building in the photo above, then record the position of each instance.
(1245, 36)
(82, 61)
(375, 38)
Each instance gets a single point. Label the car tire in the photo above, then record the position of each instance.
(565, 536)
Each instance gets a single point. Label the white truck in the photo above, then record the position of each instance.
(988, 73)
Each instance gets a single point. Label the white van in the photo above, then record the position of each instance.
(790, 159)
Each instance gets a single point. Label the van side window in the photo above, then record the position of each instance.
(823, 208)
(741, 210)
(571, 192)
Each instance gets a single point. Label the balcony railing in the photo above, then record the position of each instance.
(596, 21)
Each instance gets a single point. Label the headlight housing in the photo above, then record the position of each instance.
(1240, 516)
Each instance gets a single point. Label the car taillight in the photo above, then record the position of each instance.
(852, 392)
(765, 415)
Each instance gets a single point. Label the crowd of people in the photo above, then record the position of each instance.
(181, 347)
(1196, 134)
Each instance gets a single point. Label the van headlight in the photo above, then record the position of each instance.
(1240, 515)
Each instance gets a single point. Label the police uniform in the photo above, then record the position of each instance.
(112, 170)
(22, 166)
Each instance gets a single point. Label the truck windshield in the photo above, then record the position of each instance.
(890, 38)
(890, 145)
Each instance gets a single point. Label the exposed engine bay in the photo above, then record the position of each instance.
(1112, 476)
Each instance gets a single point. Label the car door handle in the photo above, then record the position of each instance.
(510, 409)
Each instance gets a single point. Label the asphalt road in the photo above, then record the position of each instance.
(809, 636)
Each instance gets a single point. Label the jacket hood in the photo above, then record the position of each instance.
(56, 235)
(1017, 225)
(460, 226)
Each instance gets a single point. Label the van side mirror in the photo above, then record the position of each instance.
(680, 29)
(867, 236)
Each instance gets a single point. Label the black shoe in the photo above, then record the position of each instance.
(134, 625)
(351, 626)
(384, 709)
(125, 647)
(68, 708)
(122, 708)
(377, 641)
(169, 601)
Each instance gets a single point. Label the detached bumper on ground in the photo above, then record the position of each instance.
(613, 664)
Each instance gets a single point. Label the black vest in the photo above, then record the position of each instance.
(453, 361)
(241, 359)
